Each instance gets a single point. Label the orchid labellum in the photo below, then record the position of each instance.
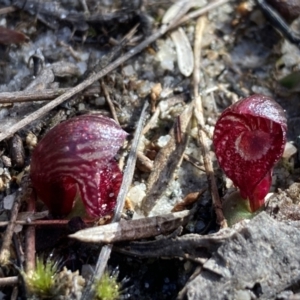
(77, 156)
(249, 139)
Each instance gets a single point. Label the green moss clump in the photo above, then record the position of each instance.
(41, 281)
(107, 288)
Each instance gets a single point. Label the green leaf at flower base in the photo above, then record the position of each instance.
(291, 81)
(236, 209)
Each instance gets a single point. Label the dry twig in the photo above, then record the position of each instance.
(127, 178)
(107, 69)
(189, 246)
(43, 95)
(110, 103)
(133, 229)
(164, 106)
(166, 161)
(7, 10)
(199, 12)
(4, 251)
(30, 240)
(198, 111)
(13, 280)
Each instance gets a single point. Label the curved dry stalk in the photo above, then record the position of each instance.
(133, 229)
(127, 178)
(167, 160)
(4, 251)
(198, 112)
(13, 280)
(107, 69)
(30, 240)
(43, 95)
(109, 101)
(22, 194)
(52, 223)
(199, 12)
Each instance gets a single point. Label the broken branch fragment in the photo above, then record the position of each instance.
(133, 229)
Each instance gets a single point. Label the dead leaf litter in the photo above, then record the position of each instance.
(67, 58)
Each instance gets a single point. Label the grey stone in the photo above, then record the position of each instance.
(261, 260)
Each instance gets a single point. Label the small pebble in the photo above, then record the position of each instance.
(163, 141)
(100, 101)
(81, 106)
(289, 150)
(8, 201)
(128, 71)
(31, 141)
(199, 226)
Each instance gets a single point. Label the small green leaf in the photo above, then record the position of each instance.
(291, 81)
(236, 209)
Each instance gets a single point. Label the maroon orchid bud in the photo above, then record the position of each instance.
(249, 139)
(77, 156)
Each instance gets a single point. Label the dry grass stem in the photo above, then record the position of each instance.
(127, 179)
(166, 161)
(198, 111)
(7, 10)
(109, 101)
(44, 95)
(196, 163)
(30, 240)
(199, 12)
(166, 104)
(104, 71)
(133, 229)
(7, 238)
(188, 246)
(52, 223)
(13, 280)
(153, 121)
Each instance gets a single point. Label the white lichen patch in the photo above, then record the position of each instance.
(136, 194)
(163, 140)
(166, 54)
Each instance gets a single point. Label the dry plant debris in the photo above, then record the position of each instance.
(70, 58)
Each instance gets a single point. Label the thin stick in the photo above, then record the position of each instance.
(13, 280)
(110, 103)
(94, 77)
(85, 7)
(127, 178)
(128, 173)
(30, 240)
(200, 12)
(170, 102)
(198, 111)
(7, 10)
(4, 251)
(134, 229)
(43, 222)
(48, 94)
(14, 294)
(196, 74)
(152, 122)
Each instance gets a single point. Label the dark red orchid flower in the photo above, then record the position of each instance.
(249, 139)
(77, 156)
